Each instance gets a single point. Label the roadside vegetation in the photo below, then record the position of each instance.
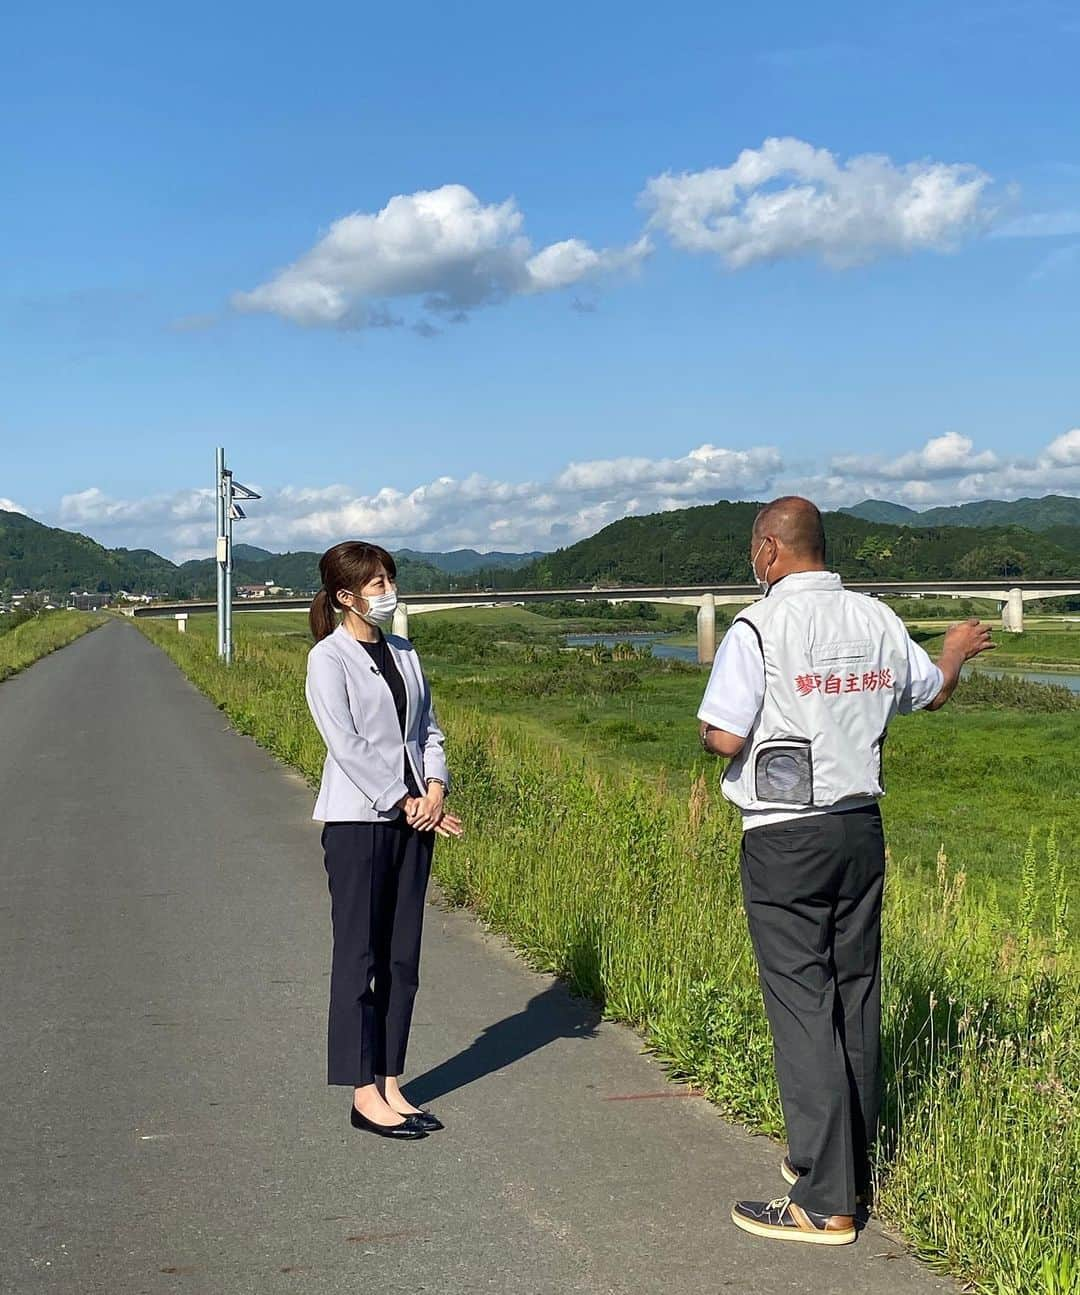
(599, 844)
(24, 638)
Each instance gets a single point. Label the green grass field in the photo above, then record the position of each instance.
(971, 779)
(1055, 644)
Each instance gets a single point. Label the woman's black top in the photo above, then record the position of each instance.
(384, 662)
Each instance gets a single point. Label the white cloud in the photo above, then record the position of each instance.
(951, 455)
(130, 517)
(788, 199)
(695, 475)
(949, 470)
(447, 512)
(10, 506)
(1065, 450)
(481, 512)
(443, 248)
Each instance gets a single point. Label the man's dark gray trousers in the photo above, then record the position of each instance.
(812, 890)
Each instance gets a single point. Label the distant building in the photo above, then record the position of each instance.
(257, 591)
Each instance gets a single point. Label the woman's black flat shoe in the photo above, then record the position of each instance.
(426, 1121)
(409, 1131)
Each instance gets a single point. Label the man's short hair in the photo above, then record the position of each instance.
(796, 522)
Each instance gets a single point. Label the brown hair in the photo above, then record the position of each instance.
(348, 565)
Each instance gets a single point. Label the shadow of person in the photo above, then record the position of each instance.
(552, 1014)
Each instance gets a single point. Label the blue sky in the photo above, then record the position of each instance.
(163, 169)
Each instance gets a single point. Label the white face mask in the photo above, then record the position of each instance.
(763, 581)
(381, 608)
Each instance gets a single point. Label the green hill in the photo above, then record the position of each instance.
(711, 543)
(685, 546)
(881, 510)
(34, 556)
(250, 553)
(1032, 514)
(47, 558)
(466, 561)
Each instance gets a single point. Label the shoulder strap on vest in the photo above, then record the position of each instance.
(745, 620)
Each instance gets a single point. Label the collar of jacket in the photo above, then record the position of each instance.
(801, 581)
(357, 646)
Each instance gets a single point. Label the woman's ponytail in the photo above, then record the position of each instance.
(321, 616)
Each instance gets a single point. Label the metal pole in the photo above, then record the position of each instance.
(219, 556)
(228, 565)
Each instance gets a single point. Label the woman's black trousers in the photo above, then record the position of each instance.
(377, 875)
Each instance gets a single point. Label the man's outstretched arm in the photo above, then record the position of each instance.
(963, 641)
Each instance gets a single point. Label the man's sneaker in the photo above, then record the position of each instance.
(783, 1220)
(791, 1176)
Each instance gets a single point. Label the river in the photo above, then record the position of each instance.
(662, 647)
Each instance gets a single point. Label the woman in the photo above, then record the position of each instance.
(381, 803)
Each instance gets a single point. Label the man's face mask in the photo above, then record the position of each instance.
(762, 580)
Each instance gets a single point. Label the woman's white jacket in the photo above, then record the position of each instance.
(354, 711)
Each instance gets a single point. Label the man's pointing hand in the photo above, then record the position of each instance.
(967, 639)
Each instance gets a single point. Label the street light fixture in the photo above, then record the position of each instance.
(226, 491)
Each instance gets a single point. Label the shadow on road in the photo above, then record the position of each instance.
(551, 1015)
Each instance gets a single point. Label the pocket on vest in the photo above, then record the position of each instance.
(784, 772)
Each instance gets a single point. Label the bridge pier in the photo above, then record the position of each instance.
(1012, 613)
(706, 629)
(400, 626)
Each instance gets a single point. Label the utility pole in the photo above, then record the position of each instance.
(227, 492)
(221, 553)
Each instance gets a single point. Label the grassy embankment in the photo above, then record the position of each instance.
(23, 643)
(623, 878)
(970, 778)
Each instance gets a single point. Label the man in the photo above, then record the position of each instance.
(800, 697)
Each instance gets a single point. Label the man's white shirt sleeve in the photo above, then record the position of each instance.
(736, 686)
(925, 680)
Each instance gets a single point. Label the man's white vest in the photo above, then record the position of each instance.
(836, 667)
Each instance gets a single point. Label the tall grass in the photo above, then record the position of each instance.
(27, 641)
(631, 892)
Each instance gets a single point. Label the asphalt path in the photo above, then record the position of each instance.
(166, 1126)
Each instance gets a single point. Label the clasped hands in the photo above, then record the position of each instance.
(426, 813)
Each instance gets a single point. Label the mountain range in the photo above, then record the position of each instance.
(39, 557)
(1032, 514)
(708, 543)
(463, 562)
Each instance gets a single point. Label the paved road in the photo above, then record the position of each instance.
(166, 1127)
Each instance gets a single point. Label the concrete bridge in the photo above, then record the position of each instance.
(706, 598)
